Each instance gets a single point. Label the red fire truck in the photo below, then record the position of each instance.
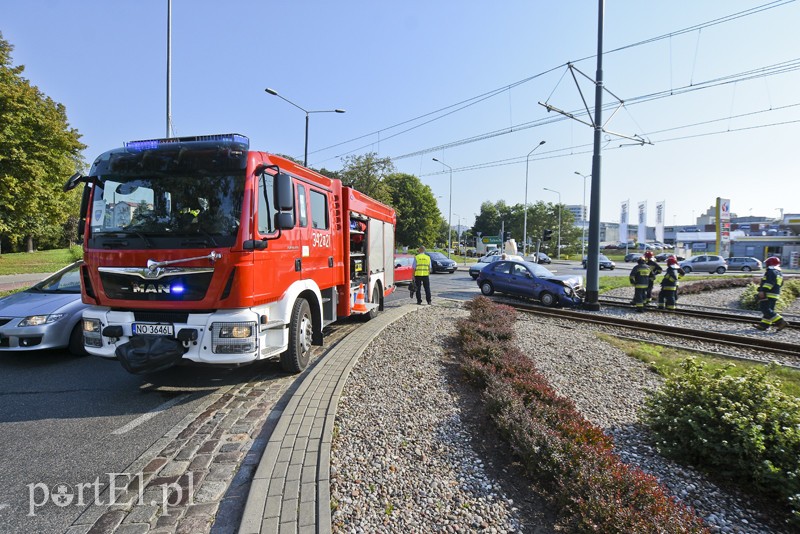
(198, 249)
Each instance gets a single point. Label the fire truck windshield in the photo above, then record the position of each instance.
(166, 210)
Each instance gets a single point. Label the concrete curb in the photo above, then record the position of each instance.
(290, 491)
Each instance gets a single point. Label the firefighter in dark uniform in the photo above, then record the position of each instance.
(640, 279)
(422, 271)
(668, 295)
(655, 270)
(768, 293)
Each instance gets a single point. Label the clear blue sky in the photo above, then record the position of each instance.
(390, 62)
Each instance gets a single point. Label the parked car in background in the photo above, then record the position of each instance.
(45, 316)
(744, 264)
(705, 263)
(615, 246)
(441, 263)
(403, 268)
(632, 256)
(531, 280)
(664, 255)
(476, 268)
(602, 262)
(539, 257)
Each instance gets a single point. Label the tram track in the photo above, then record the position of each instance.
(694, 334)
(707, 313)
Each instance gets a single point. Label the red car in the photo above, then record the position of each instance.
(403, 268)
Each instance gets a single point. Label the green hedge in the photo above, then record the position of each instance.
(590, 487)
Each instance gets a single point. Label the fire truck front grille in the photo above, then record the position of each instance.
(175, 288)
(161, 317)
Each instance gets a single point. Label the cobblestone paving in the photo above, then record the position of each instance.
(207, 459)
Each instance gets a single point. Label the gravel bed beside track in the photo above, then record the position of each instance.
(403, 460)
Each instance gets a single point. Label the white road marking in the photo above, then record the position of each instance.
(149, 415)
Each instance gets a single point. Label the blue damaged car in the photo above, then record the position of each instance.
(530, 280)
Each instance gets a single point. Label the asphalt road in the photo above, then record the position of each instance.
(66, 421)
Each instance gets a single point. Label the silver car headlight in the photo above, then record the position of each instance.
(38, 320)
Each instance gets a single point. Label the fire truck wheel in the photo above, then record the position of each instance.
(376, 299)
(295, 358)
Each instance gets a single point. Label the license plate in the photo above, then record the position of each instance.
(146, 329)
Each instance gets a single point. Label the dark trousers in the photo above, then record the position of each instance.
(639, 296)
(667, 297)
(426, 282)
(767, 307)
(648, 296)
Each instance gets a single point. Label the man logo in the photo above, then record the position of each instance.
(151, 288)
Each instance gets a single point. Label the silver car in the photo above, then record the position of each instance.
(706, 263)
(744, 264)
(45, 316)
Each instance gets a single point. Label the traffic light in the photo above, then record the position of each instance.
(506, 236)
(547, 235)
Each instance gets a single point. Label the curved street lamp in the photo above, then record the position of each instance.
(525, 217)
(558, 254)
(273, 92)
(583, 215)
(450, 209)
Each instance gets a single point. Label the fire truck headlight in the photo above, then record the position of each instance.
(233, 338)
(91, 333)
(236, 330)
(36, 320)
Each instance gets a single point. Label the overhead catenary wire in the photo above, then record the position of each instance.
(466, 103)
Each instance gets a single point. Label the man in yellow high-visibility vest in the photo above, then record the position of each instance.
(422, 271)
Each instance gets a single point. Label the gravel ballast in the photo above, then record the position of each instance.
(403, 459)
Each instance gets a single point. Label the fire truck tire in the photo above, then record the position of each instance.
(76, 347)
(295, 358)
(376, 299)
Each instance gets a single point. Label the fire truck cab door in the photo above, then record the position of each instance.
(315, 222)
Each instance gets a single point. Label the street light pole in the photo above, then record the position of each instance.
(583, 215)
(307, 112)
(525, 217)
(558, 254)
(450, 209)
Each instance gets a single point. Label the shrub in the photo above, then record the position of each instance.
(744, 428)
(76, 252)
(789, 293)
(593, 490)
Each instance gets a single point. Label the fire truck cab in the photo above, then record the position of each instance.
(198, 249)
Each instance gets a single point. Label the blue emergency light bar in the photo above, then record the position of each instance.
(152, 144)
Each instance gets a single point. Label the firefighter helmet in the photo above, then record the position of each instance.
(648, 254)
(641, 259)
(672, 260)
(772, 261)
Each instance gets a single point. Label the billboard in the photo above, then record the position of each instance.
(642, 237)
(623, 222)
(660, 221)
(723, 227)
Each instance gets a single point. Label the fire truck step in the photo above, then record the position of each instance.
(272, 324)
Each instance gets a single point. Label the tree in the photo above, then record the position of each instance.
(366, 174)
(417, 212)
(38, 151)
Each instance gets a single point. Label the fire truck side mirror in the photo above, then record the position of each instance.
(284, 194)
(284, 221)
(73, 182)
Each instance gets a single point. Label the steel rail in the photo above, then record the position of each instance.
(697, 313)
(742, 342)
